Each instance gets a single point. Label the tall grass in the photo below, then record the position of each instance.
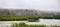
(19, 18)
(25, 25)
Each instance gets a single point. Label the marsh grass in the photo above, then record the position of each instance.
(25, 25)
(19, 18)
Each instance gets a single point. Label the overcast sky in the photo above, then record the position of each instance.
(46, 5)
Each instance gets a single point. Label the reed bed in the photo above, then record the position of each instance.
(25, 25)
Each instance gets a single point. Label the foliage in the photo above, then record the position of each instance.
(18, 18)
(27, 18)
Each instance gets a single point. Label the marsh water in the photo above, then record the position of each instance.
(41, 22)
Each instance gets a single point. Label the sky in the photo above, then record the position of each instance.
(45, 5)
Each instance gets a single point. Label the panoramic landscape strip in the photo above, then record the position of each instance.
(30, 16)
(26, 14)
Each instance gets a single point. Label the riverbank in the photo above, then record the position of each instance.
(47, 22)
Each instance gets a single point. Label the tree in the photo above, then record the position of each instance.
(6, 12)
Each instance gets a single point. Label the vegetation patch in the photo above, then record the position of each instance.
(25, 25)
(19, 18)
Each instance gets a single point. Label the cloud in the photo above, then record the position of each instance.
(31, 4)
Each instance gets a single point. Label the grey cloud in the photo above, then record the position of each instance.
(46, 5)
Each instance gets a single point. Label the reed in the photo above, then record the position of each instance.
(25, 25)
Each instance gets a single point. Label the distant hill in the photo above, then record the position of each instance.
(18, 12)
(26, 12)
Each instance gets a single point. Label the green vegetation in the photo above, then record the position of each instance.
(53, 17)
(27, 18)
(25, 25)
(18, 18)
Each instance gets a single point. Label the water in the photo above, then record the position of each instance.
(46, 22)
(42, 22)
(9, 23)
